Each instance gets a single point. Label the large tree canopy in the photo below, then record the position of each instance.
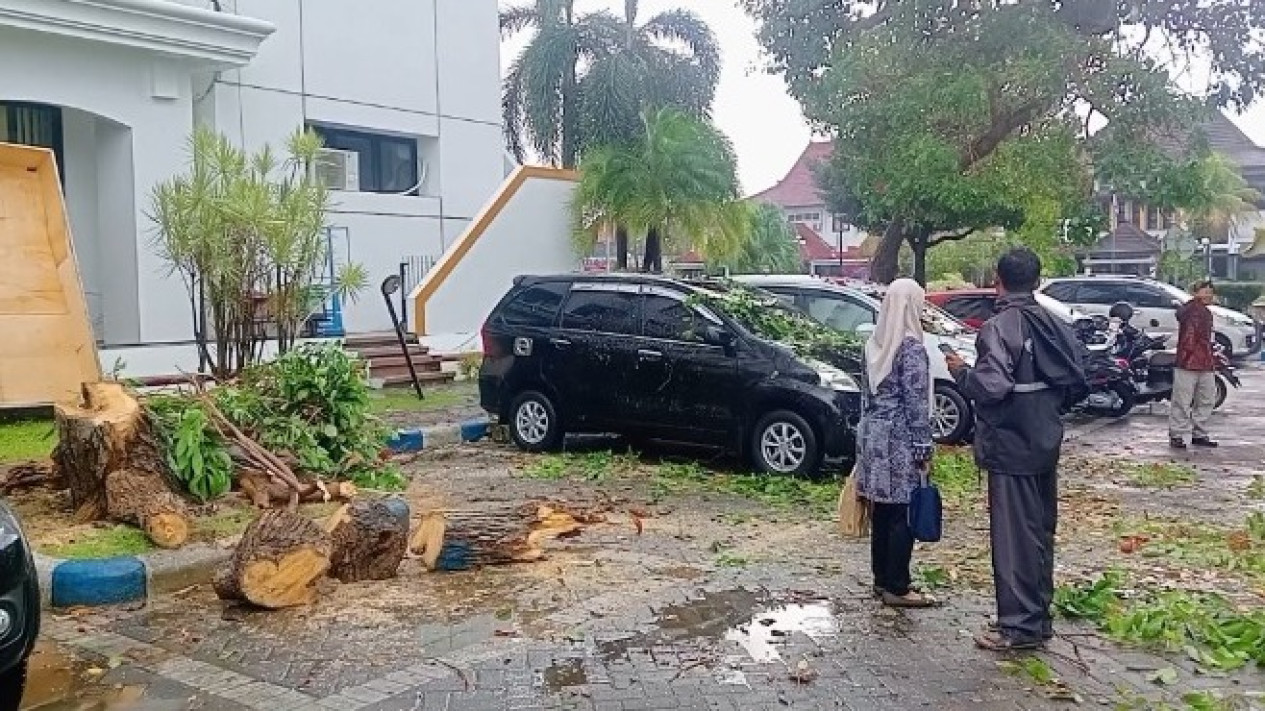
(952, 116)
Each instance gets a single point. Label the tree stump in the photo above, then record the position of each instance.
(460, 540)
(369, 540)
(110, 457)
(280, 559)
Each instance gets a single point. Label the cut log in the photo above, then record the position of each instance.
(369, 540)
(280, 559)
(111, 459)
(267, 491)
(460, 540)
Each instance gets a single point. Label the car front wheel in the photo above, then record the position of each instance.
(950, 415)
(784, 443)
(12, 682)
(534, 423)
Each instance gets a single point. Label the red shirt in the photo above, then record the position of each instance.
(1194, 337)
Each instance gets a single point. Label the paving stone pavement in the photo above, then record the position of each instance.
(618, 621)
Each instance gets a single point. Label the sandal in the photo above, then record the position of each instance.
(996, 641)
(911, 599)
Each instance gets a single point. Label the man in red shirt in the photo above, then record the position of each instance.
(1194, 382)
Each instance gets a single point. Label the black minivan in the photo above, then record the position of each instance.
(19, 608)
(641, 356)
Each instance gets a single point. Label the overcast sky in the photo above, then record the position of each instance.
(752, 107)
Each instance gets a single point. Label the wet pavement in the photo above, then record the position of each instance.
(662, 619)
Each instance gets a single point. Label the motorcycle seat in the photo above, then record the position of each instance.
(1163, 358)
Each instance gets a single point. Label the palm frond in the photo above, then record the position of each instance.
(684, 27)
(516, 18)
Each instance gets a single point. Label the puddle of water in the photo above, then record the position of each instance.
(562, 675)
(769, 629)
(58, 681)
(752, 621)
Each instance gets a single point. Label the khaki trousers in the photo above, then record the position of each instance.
(1194, 395)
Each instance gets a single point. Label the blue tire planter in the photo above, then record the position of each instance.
(98, 581)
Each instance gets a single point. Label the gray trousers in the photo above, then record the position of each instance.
(1023, 516)
(1194, 395)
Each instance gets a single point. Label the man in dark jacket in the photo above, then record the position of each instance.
(1028, 365)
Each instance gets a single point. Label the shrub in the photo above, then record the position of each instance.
(1239, 295)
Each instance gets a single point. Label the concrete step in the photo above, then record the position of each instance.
(379, 370)
(377, 339)
(392, 351)
(404, 381)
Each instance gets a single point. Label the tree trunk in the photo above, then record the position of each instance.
(621, 248)
(369, 539)
(460, 540)
(570, 114)
(652, 263)
(110, 457)
(885, 265)
(279, 561)
(918, 245)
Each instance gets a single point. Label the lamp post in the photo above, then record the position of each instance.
(1206, 245)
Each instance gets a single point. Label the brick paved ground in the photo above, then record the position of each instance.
(719, 604)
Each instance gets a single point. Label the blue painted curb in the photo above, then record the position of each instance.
(416, 439)
(98, 581)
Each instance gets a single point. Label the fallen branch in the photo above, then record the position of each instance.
(29, 475)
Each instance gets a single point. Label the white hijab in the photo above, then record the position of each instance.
(900, 318)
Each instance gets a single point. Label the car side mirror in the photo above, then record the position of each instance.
(717, 336)
(1177, 304)
(866, 329)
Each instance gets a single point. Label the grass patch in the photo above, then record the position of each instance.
(1161, 475)
(226, 522)
(818, 497)
(104, 543)
(590, 466)
(953, 471)
(1256, 490)
(21, 440)
(440, 398)
(1238, 551)
(1203, 626)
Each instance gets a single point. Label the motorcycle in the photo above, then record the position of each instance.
(1112, 390)
(1152, 362)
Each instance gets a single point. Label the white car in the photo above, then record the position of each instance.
(1155, 307)
(853, 311)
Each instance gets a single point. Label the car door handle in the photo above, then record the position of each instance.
(649, 355)
(560, 342)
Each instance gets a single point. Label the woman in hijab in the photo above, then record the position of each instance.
(895, 444)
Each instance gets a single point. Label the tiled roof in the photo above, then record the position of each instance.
(799, 187)
(1127, 239)
(812, 246)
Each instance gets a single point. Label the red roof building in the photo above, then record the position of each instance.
(799, 188)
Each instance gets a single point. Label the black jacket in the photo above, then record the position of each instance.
(1028, 364)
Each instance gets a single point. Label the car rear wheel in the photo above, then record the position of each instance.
(783, 443)
(12, 682)
(534, 423)
(950, 415)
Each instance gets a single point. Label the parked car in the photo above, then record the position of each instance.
(1155, 307)
(644, 357)
(19, 608)
(975, 306)
(851, 310)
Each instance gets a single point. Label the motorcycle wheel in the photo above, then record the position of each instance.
(1128, 398)
(1223, 391)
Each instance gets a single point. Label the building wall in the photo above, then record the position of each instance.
(423, 69)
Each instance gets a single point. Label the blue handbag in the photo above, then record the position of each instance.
(926, 511)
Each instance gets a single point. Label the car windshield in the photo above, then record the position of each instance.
(939, 322)
(731, 302)
(1179, 294)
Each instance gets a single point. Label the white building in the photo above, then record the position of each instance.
(115, 87)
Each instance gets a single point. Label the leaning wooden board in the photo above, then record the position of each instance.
(47, 350)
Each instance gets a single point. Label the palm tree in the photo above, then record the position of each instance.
(1226, 196)
(771, 247)
(676, 183)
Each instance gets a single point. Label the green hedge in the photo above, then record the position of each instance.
(1239, 295)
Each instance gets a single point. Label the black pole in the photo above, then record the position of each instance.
(390, 285)
(404, 270)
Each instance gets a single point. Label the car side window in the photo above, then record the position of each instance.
(1100, 293)
(601, 311)
(670, 320)
(972, 307)
(536, 306)
(784, 295)
(1062, 291)
(838, 313)
(1148, 297)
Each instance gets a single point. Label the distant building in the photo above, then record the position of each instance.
(824, 237)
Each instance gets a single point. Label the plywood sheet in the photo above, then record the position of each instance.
(47, 349)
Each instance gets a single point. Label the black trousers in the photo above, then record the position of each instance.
(891, 547)
(1023, 513)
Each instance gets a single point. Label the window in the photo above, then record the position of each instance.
(1100, 293)
(671, 320)
(601, 311)
(535, 307)
(1147, 297)
(971, 308)
(838, 313)
(812, 219)
(1062, 291)
(388, 164)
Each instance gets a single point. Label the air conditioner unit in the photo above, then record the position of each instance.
(337, 170)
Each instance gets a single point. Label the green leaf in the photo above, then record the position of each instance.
(1165, 676)
(330, 431)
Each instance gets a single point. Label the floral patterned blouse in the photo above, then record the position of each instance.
(895, 432)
